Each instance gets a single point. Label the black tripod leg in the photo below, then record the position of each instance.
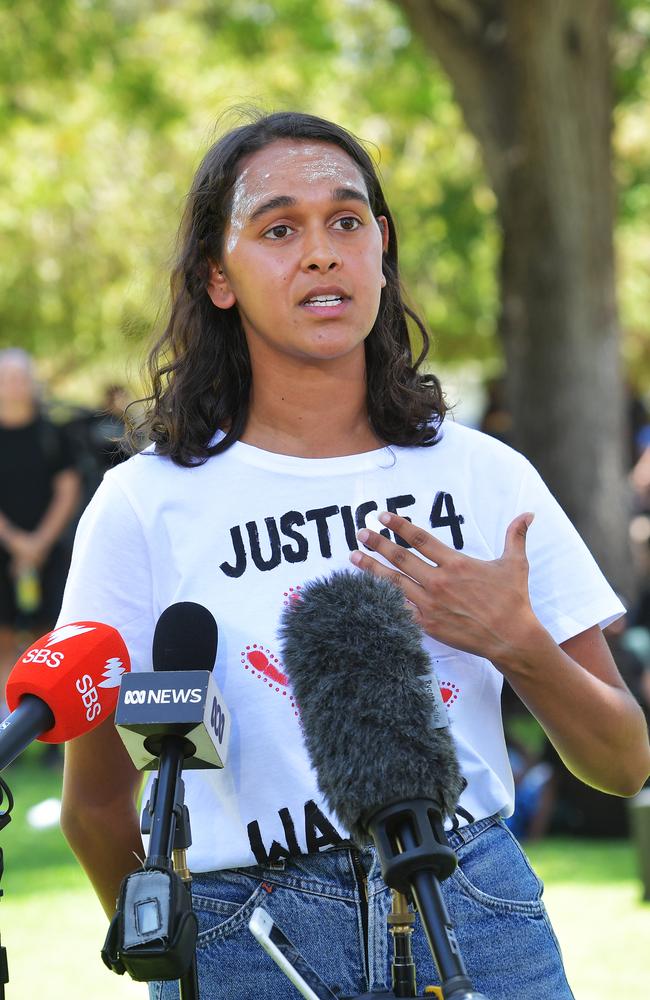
(189, 984)
(4, 971)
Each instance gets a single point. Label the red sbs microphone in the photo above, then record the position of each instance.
(64, 685)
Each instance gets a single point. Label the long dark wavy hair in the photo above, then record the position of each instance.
(199, 368)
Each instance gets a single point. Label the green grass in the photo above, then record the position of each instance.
(50, 921)
(593, 896)
(53, 927)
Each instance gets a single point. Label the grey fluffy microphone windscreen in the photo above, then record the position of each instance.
(354, 657)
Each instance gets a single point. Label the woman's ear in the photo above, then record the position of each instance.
(382, 222)
(218, 288)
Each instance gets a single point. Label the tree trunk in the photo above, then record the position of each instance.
(533, 81)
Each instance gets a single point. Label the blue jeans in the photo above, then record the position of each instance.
(493, 898)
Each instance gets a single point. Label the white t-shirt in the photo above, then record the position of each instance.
(241, 534)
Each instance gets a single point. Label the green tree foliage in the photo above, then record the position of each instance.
(107, 105)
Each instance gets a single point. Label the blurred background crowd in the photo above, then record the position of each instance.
(52, 458)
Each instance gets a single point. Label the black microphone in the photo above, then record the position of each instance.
(185, 638)
(180, 698)
(172, 718)
(361, 678)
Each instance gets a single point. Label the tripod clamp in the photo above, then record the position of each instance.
(430, 851)
(5, 818)
(153, 932)
(415, 857)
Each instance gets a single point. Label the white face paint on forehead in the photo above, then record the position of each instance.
(308, 163)
(243, 200)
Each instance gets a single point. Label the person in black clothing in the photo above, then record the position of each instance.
(109, 427)
(39, 494)
(98, 439)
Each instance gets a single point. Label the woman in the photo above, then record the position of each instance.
(286, 412)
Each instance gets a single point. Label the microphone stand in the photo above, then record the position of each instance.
(401, 921)
(153, 933)
(170, 834)
(5, 818)
(415, 857)
(400, 924)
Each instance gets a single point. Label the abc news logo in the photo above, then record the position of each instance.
(164, 696)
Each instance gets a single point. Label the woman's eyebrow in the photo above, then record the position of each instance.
(280, 201)
(349, 194)
(286, 200)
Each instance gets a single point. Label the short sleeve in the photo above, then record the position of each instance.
(69, 459)
(568, 592)
(110, 578)
(59, 448)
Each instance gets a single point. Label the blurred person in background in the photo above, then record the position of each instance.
(640, 474)
(97, 438)
(548, 798)
(108, 428)
(535, 792)
(497, 417)
(39, 496)
(640, 536)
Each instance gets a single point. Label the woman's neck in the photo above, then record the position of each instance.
(305, 442)
(317, 414)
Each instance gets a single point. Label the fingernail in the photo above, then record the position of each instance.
(384, 517)
(363, 535)
(355, 557)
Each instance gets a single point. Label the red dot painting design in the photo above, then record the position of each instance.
(291, 595)
(266, 667)
(450, 692)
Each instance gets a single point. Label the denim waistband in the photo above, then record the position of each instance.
(332, 868)
(466, 834)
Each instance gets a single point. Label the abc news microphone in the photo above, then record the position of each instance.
(180, 699)
(378, 741)
(170, 719)
(64, 685)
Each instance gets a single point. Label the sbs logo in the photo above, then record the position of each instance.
(47, 656)
(89, 696)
